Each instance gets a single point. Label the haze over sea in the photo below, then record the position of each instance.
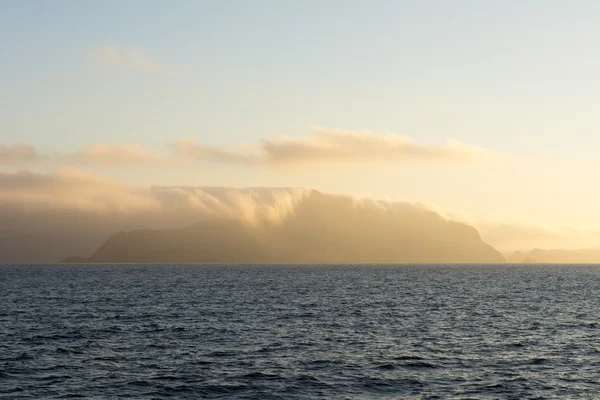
(299, 332)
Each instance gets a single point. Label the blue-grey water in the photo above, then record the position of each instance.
(299, 332)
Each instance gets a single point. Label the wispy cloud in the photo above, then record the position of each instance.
(71, 189)
(77, 190)
(339, 146)
(191, 149)
(99, 153)
(123, 154)
(329, 146)
(125, 58)
(324, 147)
(18, 153)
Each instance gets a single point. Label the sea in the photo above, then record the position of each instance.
(300, 332)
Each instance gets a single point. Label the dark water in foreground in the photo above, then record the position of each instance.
(307, 332)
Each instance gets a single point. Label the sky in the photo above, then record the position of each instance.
(486, 109)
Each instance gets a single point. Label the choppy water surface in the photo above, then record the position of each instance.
(305, 332)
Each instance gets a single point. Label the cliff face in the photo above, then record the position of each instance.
(335, 230)
(323, 229)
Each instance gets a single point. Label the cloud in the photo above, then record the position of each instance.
(327, 146)
(124, 154)
(72, 190)
(322, 148)
(69, 208)
(196, 151)
(339, 146)
(70, 212)
(127, 154)
(16, 154)
(124, 58)
(75, 190)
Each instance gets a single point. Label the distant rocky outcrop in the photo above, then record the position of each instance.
(516, 257)
(322, 229)
(556, 256)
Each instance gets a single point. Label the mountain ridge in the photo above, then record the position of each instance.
(322, 229)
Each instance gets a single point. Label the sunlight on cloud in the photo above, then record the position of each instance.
(324, 147)
(75, 190)
(196, 151)
(327, 146)
(71, 189)
(339, 146)
(124, 154)
(86, 209)
(80, 197)
(250, 205)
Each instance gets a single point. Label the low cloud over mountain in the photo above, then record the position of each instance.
(45, 218)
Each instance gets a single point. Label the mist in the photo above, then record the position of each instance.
(47, 217)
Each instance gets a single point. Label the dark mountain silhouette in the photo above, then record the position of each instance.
(322, 229)
(220, 240)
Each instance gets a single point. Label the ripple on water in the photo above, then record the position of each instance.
(245, 332)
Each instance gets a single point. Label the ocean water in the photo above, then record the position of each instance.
(299, 332)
